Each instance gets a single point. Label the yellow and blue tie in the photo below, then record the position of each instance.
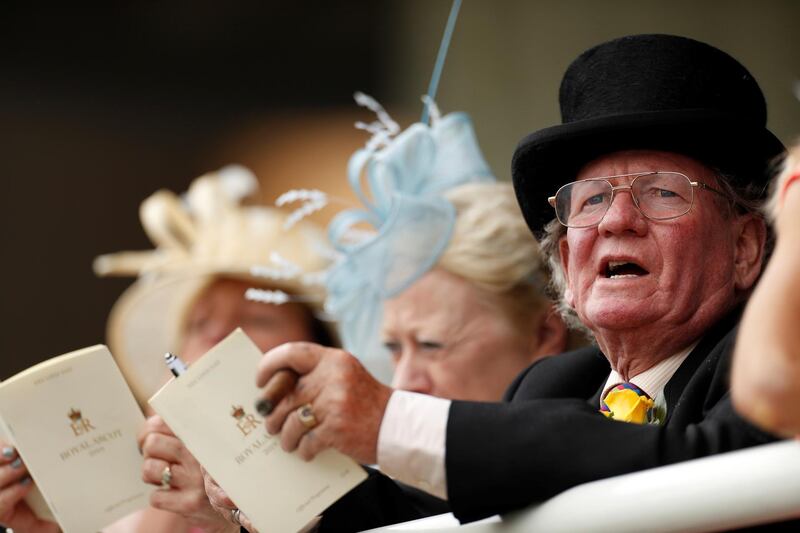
(627, 403)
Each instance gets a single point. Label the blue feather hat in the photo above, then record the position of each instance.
(410, 222)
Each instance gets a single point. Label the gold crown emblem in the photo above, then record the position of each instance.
(74, 415)
(237, 412)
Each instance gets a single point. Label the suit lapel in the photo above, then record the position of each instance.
(677, 383)
(595, 400)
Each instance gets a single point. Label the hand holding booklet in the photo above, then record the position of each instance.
(210, 408)
(74, 421)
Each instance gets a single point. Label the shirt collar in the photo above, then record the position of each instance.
(653, 380)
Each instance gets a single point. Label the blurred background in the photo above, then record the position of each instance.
(101, 106)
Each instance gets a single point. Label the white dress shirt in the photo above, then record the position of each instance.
(654, 379)
(411, 441)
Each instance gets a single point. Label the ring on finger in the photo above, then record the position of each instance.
(235, 516)
(306, 415)
(166, 478)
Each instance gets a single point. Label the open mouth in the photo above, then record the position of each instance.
(624, 269)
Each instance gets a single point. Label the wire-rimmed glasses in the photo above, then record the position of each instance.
(659, 195)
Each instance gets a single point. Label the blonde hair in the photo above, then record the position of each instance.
(493, 248)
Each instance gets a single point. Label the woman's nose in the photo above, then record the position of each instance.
(410, 373)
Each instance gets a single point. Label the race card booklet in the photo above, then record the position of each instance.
(210, 408)
(74, 421)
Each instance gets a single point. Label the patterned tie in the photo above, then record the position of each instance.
(627, 403)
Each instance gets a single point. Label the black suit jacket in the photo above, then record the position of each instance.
(549, 436)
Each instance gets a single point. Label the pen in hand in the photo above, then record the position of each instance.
(175, 365)
(276, 390)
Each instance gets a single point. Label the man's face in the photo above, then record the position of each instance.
(631, 271)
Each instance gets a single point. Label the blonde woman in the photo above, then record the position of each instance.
(439, 285)
(472, 323)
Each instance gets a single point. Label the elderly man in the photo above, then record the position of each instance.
(655, 176)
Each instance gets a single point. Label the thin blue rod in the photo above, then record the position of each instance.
(439, 66)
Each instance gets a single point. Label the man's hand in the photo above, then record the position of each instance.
(346, 401)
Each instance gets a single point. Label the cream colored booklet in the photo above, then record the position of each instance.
(73, 421)
(210, 408)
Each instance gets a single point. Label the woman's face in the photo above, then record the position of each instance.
(445, 340)
(222, 307)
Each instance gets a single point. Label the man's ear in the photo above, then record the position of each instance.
(749, 252)
(552, 334)
(563, 254)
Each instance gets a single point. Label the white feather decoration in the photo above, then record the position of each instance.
(266, 296)
(312, 200)
(383, 129)
(283, 269)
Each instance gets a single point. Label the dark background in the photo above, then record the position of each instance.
(102, 105)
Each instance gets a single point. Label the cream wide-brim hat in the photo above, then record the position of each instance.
(203, 236)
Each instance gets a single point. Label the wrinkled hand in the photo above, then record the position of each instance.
(347, 402)
(15, 484)
(186, 495)
(222, 504)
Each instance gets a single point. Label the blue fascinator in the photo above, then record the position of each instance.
(411, 222)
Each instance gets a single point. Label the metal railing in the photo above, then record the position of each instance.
(738, 489)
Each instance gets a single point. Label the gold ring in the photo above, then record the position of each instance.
(306, 416)
(166, 478)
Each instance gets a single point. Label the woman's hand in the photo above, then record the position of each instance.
(223, 505)
(184, 494)
(15, 484)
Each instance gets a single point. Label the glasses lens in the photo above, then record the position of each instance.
(583, 203)
(663, 195)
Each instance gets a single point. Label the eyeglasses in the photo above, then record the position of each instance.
(657, 195)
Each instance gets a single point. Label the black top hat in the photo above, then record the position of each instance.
(658, 92)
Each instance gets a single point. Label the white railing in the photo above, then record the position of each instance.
(737, 489)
